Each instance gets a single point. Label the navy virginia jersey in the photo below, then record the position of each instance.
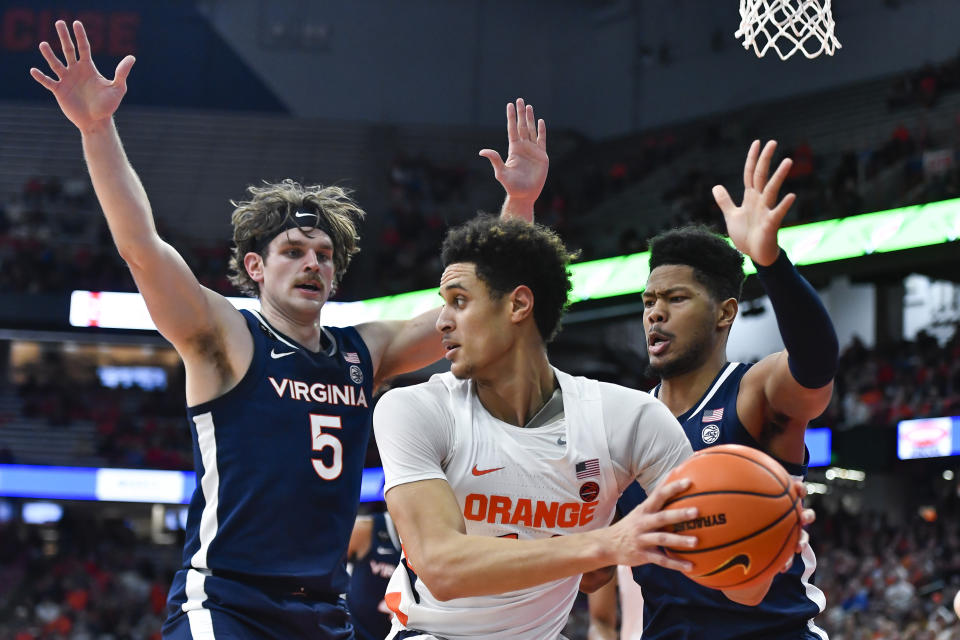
(279, 460)
(675, 607)
(368, 583)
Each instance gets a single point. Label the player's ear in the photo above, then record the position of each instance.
(727, 312)
(253, 263)
(521, 303)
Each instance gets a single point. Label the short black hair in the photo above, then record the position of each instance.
(510, 252)
(716, 264)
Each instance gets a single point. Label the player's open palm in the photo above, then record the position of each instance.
(753, 225)
(525, 170)
(639, 534)
(85, 96)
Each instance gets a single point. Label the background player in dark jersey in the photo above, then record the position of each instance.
(690, 303)
(375, 553)
(279, 405)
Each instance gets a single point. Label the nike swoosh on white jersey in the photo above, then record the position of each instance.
(275, 355)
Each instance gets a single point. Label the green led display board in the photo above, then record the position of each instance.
(815, 243)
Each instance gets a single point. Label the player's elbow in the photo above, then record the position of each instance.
(439, 571)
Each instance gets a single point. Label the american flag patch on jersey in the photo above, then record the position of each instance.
(351, 356)
(588, 469)
(714, 415)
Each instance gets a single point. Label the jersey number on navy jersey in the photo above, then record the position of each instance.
(322, 440)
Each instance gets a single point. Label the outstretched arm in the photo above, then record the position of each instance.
(180, 307)
(784, 391)
(407, 345)
(524, 172)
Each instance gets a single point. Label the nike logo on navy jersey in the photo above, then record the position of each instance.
(275, 355)
(478, 472)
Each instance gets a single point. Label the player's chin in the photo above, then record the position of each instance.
(461, 370)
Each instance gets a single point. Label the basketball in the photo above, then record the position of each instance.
(749, 516)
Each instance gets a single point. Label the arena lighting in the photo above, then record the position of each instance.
(838, 473)
(815, 243)
(948, 474)
(125, 485)
(816, 487)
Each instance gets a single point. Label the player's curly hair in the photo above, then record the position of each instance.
(268, 212)
(716, 264)
(499, 246)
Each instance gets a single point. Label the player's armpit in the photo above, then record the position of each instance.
(401, 346)
(594, 580)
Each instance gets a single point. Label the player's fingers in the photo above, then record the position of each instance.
(512, 134)
(66, 42)
(531, 124)
(667, 540)
(808, 517)
(495, 160)
(723, 199)
(55, 65)
(522, 120)
(750, 164)
(762, 169)
(778, 212)
(776, 181)
(123, 70)
(665, 561)
(47, 82)
(83, 43)
(801, 488)
(664, 492)
(542, 134)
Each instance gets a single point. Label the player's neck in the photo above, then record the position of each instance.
(303, 331)
(682, 391)
(518, 388)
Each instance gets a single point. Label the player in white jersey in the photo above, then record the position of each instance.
(506, 446)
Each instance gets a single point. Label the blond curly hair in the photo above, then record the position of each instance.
(269, 211)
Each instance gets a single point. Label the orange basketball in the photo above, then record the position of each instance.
(749, 516)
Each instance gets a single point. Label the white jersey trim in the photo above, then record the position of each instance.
(209, 486)
(731, 366)
(199, 618)
(330, 337)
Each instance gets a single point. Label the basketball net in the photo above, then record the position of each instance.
(787, 26)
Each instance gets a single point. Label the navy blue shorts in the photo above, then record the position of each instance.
(206, 607)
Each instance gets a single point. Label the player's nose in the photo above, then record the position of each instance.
(444, 320)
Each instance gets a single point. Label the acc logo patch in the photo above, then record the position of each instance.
(589, 491)
(356, 374)
(710, 433)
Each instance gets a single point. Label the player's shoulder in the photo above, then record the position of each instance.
(432, 395)
(615, 395)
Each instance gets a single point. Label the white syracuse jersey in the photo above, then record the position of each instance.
(507, 488)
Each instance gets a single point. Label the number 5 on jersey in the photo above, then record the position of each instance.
(322, 441)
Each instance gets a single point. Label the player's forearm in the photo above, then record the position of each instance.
(121, 195)
(465, 565)
(805, 326)
(517, 208)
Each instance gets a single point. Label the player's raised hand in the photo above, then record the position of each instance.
(638, 536)
(525, 170)
(754, 224)
(86, 97)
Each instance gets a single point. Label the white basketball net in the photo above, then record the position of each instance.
(787, 26)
